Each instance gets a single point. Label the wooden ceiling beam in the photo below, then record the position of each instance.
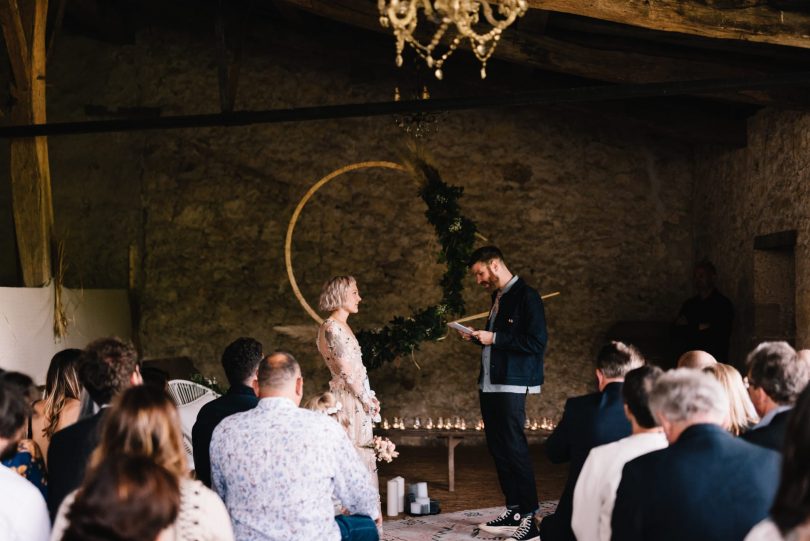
(616, 65)
(744, 20)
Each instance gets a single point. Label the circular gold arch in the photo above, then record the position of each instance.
(297, 212)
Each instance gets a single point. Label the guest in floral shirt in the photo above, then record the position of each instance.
(276, 467)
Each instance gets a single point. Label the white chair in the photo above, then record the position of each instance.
(190, 397)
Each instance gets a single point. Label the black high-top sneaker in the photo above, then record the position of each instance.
(527, 531)
(505, 524)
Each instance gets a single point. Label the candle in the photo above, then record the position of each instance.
(385, 424)
(400, 494)
(429, 424)
(421, 490)
(392, 498)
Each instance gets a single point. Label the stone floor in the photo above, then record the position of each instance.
(476, 480)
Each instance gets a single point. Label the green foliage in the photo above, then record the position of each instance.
(456, 234)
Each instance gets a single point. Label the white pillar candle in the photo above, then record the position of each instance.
(421, 490)
(400, 494)
(392, 498)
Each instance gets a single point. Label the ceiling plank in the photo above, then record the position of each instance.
(563, 56)
(746, 21)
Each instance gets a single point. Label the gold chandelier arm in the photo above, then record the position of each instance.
(513, 13)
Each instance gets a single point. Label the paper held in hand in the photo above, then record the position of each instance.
(459, 327)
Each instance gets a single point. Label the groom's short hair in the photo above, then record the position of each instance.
(485, 254)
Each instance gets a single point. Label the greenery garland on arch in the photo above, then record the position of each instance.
(456, 234)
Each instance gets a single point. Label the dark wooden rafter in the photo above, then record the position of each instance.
(758, 21)
(604, 93)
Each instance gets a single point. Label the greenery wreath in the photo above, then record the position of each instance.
(456, 234)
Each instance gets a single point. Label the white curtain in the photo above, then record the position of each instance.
(27, 340)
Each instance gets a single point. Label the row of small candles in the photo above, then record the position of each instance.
(459, 423)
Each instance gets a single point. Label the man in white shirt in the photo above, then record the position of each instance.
(595, 491)
(277, 466)
(23, 513)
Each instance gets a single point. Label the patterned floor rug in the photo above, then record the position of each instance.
(459, 526)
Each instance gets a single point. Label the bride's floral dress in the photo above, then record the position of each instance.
(341, 352)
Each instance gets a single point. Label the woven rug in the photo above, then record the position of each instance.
(458, 526)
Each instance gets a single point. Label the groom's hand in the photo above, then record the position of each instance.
(484, 337)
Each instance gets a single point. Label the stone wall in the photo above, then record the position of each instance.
(759, 190)
(595, 211)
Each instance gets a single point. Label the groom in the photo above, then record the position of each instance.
(511, 367)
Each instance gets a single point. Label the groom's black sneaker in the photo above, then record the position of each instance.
(506, 524)
(527, 531)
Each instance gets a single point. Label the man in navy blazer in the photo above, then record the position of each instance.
(707, 485)
(513, 345)
(587, 422)
(776, 377)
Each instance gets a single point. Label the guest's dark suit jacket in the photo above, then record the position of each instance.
(238, 398)
(68, 455)
(708, 486)
(587, 421)
(520, 338)
(772, 435)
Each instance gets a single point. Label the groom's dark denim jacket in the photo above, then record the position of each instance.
(520, 338)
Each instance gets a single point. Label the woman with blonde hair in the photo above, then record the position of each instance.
(341, 352)
(143, 422)
(61, 403)
(328, 404)
(742, 415)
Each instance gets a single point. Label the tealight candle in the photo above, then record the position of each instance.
(385, 424)
(417, 423)
(429, 424)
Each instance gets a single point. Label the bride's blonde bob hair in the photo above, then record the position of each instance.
(334, 293)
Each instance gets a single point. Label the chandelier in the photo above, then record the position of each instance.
(473, 20)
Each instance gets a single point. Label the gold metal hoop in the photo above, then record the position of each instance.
(297, 213)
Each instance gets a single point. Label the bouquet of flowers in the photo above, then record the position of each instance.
(384, 449)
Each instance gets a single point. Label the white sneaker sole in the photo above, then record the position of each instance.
(505, 530)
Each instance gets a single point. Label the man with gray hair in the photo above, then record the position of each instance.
(707, 485)
(776, 377)
(277, 466)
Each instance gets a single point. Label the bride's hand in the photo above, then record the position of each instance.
(375, 404)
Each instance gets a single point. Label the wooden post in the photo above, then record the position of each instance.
(30, 171)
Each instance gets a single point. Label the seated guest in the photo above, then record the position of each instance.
(277, 466)
(588, 421)
(790, 514)
(776, 376)
(240, 360)
(595, 491)
(27, 460)
(327, 403)
(707, 485)
(143, 422)
(741, 414)
(23, 514)
(61, 404)
(699, 360)
(125, 498)
(107, 367)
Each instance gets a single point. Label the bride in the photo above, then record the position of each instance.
(341, 352)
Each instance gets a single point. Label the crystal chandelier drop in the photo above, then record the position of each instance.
(473, 20)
